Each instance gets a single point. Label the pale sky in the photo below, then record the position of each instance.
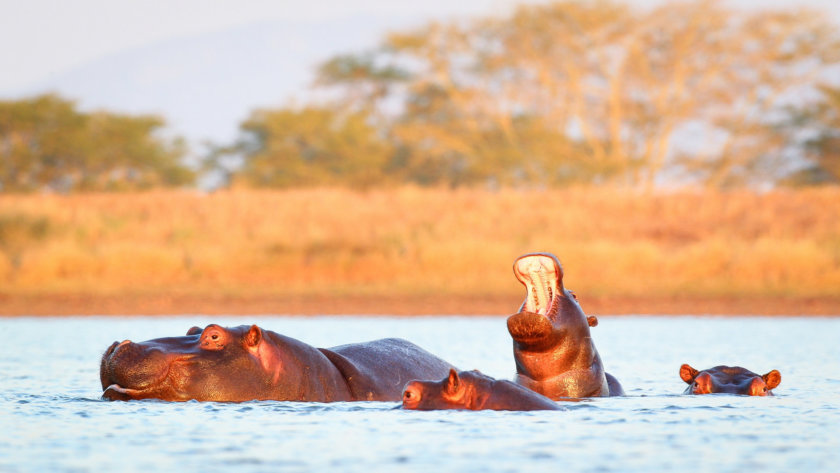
(204, 65)
(43, 37)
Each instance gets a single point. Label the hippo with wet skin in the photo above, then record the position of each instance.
(474, 391)
(730, 380)
(552, 345)
(249, 363)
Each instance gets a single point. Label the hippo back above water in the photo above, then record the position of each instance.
(248, 363)
(729, 380)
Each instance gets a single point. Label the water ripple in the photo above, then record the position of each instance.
(654, 429)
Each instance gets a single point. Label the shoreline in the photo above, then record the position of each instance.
(12, 305)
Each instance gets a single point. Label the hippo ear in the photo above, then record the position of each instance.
(452, 381)
(687, 373)
(194, 331)
(593, 321)
(772, 379)
(254, 336)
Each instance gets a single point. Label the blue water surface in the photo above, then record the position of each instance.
(52, 418)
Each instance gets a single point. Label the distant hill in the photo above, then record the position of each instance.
(204, 85)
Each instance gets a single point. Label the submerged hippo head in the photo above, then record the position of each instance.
(214, 364)
(729, 380)
(449, 393)
(553, 348)
(472, 390)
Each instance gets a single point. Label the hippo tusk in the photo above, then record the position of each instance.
(122, 393)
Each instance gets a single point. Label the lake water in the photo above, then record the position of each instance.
(52, 418)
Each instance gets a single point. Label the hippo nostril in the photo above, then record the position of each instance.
(115, 347)
(111, 349)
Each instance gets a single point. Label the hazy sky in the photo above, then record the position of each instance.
(205, 65)
(41, 38)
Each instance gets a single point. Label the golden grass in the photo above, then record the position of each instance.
(419, 242)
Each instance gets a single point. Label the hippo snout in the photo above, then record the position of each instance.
(132, 365)
(114, 346)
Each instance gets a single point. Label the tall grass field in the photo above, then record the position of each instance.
(411, 244)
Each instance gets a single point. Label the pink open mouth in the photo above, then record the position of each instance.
(540, 275)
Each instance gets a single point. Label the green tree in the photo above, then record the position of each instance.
(309, 147)
(820, 123)
(47, 144)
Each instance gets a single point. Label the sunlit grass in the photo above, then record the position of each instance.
(413, 241)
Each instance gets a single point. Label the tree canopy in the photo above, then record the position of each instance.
(309, 147)
(815, 128)
(591, 92)
(46, 143)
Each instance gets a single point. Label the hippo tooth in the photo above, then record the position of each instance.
(538, 280)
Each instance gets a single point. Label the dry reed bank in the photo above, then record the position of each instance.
(411, 250)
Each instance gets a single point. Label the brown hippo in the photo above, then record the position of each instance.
(475, 391)
(730, 380)
(552, 345)
(248, 363)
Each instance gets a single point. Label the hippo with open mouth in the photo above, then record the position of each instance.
(729, 380)
(248, 363)
(552, 345)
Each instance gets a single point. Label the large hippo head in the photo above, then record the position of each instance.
(729, 380)
(219, 364)
(553, 348)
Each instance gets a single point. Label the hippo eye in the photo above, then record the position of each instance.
(407, 395)
(213, 339)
